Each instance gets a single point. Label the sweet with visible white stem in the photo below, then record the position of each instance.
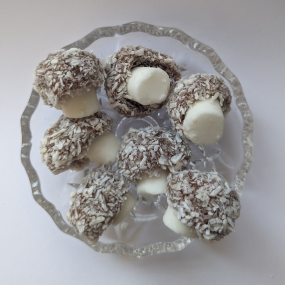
(197, 107)
(70, 78)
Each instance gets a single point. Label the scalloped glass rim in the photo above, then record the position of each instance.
(158, 31)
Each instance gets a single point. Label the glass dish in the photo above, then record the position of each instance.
(142, 233)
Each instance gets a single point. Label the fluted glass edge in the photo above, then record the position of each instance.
(158, 31)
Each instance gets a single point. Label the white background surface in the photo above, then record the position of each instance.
(249, 37)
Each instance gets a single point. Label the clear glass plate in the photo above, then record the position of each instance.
(142, 233)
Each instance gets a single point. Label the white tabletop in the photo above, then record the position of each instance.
(249, 37)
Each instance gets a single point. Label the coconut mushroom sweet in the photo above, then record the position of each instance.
(139, 80)
(68, 80)
(202, 201)
(101, 199)
(147, 154)
(197, 106)
(65, 144)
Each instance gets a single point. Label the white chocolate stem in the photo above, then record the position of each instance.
(204, 123)
(126, 209)
(153, 185)
(177, 226)
(82, 105)
(148, 85)
(104, 149)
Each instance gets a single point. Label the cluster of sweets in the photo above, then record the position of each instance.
(138, 81)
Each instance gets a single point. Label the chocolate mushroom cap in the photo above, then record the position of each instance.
(146, 151)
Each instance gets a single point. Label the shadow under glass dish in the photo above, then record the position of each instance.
(143, 232)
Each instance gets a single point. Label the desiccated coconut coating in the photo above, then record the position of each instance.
(118, 69)
(96, 203)
(145, 151)
(188, 90)
(65, 144)
(64, 74)
(204, 202)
